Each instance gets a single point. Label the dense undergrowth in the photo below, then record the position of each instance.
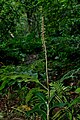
(23, 88)
(24, 92)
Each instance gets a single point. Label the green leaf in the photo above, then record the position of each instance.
(70, 116)
(75, 101)
(4, 84)
(78, 116)
(19, 78)
(57, 115)
(1, 115)
(77, 90)
(31, 93)
(42, 98)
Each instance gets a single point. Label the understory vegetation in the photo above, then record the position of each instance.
(40, 60)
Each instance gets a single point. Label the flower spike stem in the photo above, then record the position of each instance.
(45, 51)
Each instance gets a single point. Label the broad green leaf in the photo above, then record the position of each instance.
(31, 93)
(78, 116)
(4, 84)
(77, 90)
(42, 98)
(70, 116)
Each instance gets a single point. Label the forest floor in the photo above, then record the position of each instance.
(8, 105)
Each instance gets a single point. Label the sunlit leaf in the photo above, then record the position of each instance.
(77, 90)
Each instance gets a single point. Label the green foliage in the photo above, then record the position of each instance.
(64, 48)
(20, 23)
(77, 90)
(33, 94)
(9, 16)
(14, 75)
(63, 20)
(30, 44)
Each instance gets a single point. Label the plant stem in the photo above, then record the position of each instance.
(47, 80)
